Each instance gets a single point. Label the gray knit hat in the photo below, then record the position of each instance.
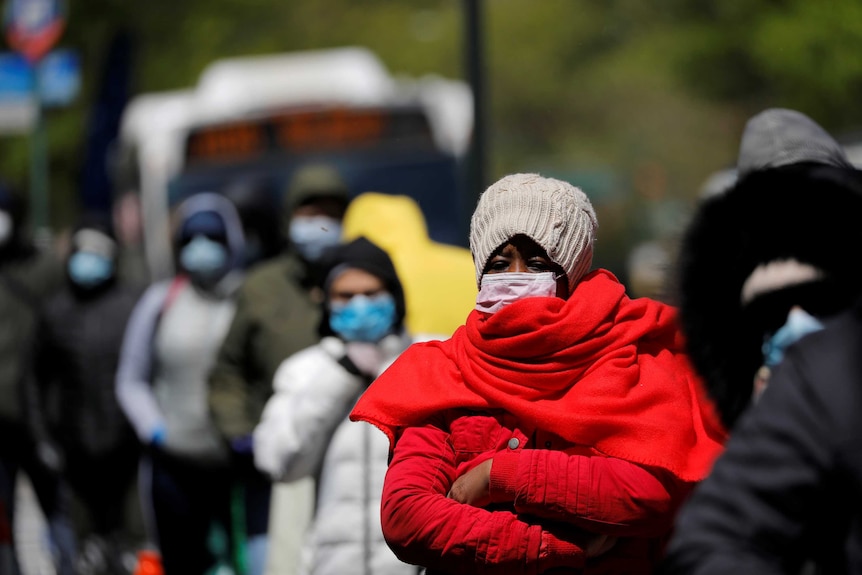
(555, 214)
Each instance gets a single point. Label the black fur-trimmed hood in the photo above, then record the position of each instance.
(807, 212)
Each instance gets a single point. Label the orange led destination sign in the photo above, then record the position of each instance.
(314, 130)
(329, 129)
(227, 141)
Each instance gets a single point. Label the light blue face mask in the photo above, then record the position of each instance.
(203, 256)
(312, 235)
(799, 324)
(363, 318)
(88, 270)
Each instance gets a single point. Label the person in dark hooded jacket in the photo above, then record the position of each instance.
(775, 240)
(29, 275)
(75, 416)
(765, 266)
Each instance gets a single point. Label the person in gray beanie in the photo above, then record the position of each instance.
(775, 241)
(770, 293)
(553, 214)
(560, 427)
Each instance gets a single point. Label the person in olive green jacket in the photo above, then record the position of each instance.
(277, 314)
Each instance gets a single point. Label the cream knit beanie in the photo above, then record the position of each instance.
(555, 214)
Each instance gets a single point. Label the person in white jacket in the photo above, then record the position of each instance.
(304, 430)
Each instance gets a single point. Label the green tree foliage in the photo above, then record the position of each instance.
(640, 101)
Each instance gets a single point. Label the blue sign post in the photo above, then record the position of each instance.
(32, 28)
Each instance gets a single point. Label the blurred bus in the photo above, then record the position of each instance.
(268, 115)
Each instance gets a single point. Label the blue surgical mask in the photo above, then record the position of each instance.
(203, 256)
(87, 269)
(312, 235)
(799, 324)
(363, 318)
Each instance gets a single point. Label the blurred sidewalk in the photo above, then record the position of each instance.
(293, 508)
(30, 531)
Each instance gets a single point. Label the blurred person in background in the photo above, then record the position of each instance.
(256, 200)
(28, 277)
(168, 349)
(437, 278)
(777, 238)
(277, 314)
(304, 430)
(765, 265)
(559, 429)
(647, 266)
(74, 414)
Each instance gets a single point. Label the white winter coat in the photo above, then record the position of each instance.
(304, 429)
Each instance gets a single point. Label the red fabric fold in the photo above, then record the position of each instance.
(599, 369)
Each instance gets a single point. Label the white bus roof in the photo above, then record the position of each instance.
(234, 87)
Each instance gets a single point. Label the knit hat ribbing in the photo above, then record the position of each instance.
(555, 214)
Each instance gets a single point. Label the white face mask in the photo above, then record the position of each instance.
(499, 290)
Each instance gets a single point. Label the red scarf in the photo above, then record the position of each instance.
(599, 369)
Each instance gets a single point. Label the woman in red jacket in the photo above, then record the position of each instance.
(560, 427)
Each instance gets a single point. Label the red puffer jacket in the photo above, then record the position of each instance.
(533, 474)
(606, 375)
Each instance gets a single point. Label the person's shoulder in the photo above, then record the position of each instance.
(312, 359)
(840, 331)
(829, 361)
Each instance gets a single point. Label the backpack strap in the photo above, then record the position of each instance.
(173, 291)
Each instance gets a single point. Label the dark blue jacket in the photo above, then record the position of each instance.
(787, 492)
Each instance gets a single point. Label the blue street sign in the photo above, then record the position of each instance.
(59, 77)
(16, 77)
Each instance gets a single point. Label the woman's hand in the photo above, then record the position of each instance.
(472, 488)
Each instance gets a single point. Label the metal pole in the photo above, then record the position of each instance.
(475, 73)
(39, 167)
